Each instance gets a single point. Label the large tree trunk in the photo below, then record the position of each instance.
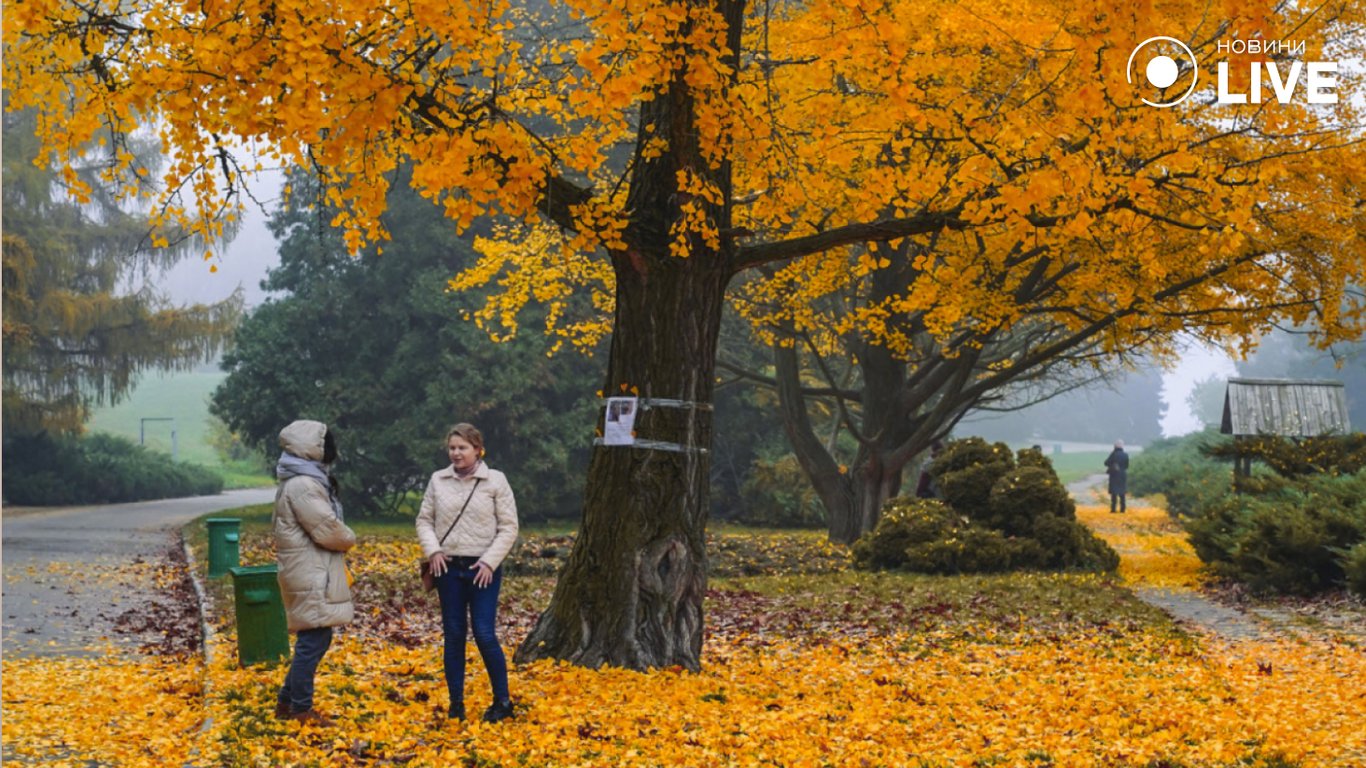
(852, 496)
(871, 484)
(631, 592)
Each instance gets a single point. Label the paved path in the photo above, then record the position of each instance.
(71, 574)
(1184, 605)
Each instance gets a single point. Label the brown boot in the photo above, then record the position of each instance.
(283, 710)
(312, 717)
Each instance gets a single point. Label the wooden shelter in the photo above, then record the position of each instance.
(1283, 407)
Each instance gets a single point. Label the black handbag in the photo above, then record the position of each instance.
(424, 567)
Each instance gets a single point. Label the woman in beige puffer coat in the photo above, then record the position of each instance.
(310, 538)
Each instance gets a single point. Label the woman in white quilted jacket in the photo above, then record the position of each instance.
(467, 525)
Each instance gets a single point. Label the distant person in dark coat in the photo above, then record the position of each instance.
(1117, 467)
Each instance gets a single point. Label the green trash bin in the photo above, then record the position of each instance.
(223, 541)
(262, 634)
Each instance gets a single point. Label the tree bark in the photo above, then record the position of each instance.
(631, 592)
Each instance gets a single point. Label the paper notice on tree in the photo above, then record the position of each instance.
(619, 429)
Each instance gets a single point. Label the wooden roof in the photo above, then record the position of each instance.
(1286, 407)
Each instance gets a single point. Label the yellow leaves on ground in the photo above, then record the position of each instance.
(125, 712)
(1082, 694)
(1153, 549)
(1092, 699)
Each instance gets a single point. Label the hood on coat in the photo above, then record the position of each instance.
(304, 439)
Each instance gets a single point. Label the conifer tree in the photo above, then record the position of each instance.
(75, 335)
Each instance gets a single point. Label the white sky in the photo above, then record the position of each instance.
(1198, 363)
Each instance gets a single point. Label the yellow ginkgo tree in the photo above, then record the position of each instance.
(993, 152)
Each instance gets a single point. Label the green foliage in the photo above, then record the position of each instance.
(43, 469)
(1025, 520)
(1022, 496)
(1354, 568)
(376, 349)
(1180, 469)
(1291, 531)
(1296, 539)
(74, 334)
(966, 469)
(228, 444)
(1331, 454)
(745, 442)
(777, 493)
(927, 536)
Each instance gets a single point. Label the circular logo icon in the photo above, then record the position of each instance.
(1170, 60)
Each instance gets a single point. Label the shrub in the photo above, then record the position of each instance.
(1354, 569)
(96, 469)
(1180, 470)
(1294, 538)
(1065, 544)
(777, 493)
(927, 536)
(1021, 518)
(967, 469)
(1330, 454)
(1022, 496)
(1285, 550)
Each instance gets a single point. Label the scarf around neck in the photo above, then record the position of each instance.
(290, 465)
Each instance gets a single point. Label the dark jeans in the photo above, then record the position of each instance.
(465, 606)
(1113, 498)
(309, 647)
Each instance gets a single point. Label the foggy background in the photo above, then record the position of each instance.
(245, 260)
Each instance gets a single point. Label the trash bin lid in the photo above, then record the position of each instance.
(239, 571)
(222, 520)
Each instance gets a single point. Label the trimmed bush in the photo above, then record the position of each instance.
(1022, 496)
(926, 536)
(1296, 537)
(996, 515)
(967, 469)
(96, 469)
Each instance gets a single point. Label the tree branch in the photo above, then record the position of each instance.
(850, 234)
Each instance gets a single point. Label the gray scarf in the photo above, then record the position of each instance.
(293, 466)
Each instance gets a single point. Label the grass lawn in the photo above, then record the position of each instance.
(183, 396)
(1072, 467)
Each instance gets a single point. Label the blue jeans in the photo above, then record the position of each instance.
(465, 606)
(309, 647)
